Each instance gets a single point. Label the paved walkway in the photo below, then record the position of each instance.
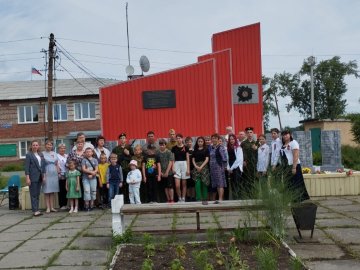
(60, 241)
(54, 241)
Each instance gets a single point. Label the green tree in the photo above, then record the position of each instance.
(329, 88)
(268, 102)
(355, 125)
(279, 85)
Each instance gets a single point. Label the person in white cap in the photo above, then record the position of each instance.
(134, 179)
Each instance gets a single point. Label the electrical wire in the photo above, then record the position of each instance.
(18, 40)
(125, 46)
(123, 59)
(76, 79)
(1, 55)
(78, 64)
(19, 59)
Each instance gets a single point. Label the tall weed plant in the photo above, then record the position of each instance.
(276, 198)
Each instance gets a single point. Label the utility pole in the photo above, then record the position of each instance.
(50, 87)
(312, 62)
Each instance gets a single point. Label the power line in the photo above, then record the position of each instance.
(133, 47)
(18, 40)
(78, 64)
(19, 59)
(75, 78)
(18, 53)
(124, 59)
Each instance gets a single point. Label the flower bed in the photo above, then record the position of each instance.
(333, 184)
(204, 255)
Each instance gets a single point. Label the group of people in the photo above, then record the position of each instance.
(177, 169)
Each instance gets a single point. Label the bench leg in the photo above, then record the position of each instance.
(198, 221)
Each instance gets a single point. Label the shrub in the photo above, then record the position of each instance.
(351, 157)
(13, 167)
(317, 158)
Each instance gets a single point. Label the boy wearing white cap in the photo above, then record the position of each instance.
(134, 179)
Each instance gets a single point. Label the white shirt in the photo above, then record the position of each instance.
(289, 151)
(38, 158)
(98, 152)
(263, 158)
(238, 163)
(275, 151)
(62, 162)
(86, 145)
(134, 175)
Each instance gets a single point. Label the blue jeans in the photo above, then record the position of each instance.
(89, 189)
(113, 190)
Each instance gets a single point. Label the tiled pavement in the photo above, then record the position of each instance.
(60, 241)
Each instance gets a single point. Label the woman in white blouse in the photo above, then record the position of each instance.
(62, 157)
(292, 168)
(235, 166)
(263, 157)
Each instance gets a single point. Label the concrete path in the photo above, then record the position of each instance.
(60, 241)
(55, 241)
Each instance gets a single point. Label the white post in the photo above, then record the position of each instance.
(312, 64)
(118, 225)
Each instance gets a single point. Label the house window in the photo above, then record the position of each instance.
(84, 111)
(59, 112)
(23, 148)
(28, 114)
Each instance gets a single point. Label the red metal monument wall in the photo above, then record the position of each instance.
(245, 47)
(122, 107)
(203, 92)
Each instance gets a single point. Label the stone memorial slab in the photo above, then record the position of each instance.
(305, 153)
(331, 150)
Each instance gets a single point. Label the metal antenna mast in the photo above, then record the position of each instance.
(127, 32)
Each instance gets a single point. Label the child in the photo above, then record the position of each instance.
(166, 159)
(90, 169)
(114, 177)
(103, 191)
(134, 179)
(190, 183)
(138, 156)
(263, 157)
(200, 159)
(181, 167)
(151, 173)
(73, 186)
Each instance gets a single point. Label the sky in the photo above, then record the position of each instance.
(173, 34)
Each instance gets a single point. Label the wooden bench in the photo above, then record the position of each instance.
(188, 207)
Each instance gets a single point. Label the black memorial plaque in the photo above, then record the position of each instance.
(159, 99)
